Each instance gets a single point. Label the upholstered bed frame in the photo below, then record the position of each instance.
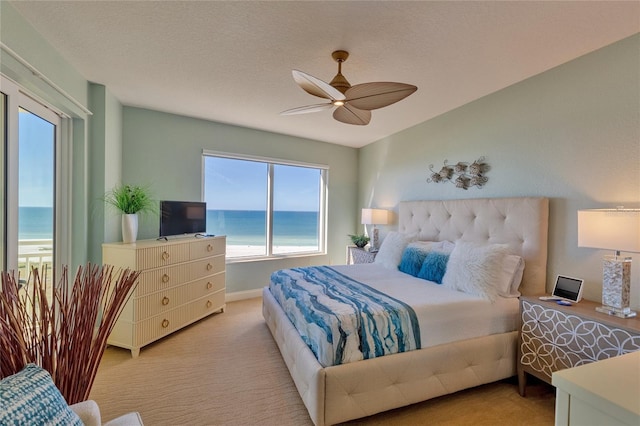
(349, 391)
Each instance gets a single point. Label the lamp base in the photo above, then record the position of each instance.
(616, 284)
(374, 241)
(620, 313)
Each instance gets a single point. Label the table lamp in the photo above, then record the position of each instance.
(619, 230)
(375, 217)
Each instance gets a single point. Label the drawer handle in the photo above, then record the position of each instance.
(165, 255)
(209, 304)
(209, 285)
(209, 266)
(165, 301)
(165, 323)
(165, 278)
(209, 247)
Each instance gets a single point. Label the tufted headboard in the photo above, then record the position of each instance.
(521, 223)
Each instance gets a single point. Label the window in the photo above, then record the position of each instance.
(265, 207)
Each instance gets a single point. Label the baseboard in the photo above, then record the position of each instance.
(242, 295)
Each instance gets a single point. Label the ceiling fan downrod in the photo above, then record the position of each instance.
(339, 82)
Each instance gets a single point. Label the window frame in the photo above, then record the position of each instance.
(271, 162)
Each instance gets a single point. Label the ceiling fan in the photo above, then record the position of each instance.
(354, 103)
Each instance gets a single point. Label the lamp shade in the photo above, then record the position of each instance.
(375, 217)
(610, 229)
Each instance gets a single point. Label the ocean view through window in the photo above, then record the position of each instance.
(31, 217)
(265, 207)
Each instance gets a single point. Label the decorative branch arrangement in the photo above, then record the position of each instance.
(462, 175)
(66, 335)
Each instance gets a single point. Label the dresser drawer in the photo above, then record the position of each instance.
(162, 278)
(157, 303)
(208, 266)
(170, 321)
(153, 304)
(163, 255)
(207, 247)
(208, 305)
(208, 285)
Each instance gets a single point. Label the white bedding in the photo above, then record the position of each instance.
(444, 315)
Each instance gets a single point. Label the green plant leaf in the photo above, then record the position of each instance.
(130, 199)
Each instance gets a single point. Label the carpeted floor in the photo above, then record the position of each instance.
(226, 370)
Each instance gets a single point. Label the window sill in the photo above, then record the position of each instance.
(273, 257)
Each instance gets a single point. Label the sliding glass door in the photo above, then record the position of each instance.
(30, 148)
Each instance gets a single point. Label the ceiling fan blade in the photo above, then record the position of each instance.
(316, 87)
(370, 96)
(307, 109)
(351, 115)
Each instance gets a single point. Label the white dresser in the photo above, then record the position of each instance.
(181, 281)
(606, 392)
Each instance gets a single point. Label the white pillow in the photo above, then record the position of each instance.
(390, 253)
(510, 276)
(443, 246)
(475, 269)
(446, 246)
(424, 245)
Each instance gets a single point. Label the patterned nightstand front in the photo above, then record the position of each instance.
(553, 338)
(359, 255)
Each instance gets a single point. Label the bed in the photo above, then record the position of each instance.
(338, 393)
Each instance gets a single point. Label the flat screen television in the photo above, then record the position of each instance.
(182, 217)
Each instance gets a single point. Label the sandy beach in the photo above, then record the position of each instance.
(240, 250)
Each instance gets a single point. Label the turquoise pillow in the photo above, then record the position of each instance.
(412, 258)
(433, 267)
(30, 397)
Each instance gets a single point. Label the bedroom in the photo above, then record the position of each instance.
(570, 134)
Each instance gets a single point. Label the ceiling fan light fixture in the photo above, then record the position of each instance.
(354, 103)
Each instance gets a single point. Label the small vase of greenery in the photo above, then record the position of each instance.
(130, 200)
(360, 240)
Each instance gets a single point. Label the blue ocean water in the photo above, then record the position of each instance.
(35, 223)
(242, 227)
(248, 227)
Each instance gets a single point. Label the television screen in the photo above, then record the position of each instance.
(182, 217)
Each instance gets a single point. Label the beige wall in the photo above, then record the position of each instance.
(571, 134)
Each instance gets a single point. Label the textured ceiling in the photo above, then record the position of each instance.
(231, 61)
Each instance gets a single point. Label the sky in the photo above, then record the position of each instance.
(36, 161)
(242, 185)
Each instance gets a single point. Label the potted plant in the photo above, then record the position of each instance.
(360, 240)
(130, 200)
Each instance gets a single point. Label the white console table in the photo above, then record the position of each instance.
(606, 392)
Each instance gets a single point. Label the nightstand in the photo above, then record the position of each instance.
(555, 337)
(359, 255)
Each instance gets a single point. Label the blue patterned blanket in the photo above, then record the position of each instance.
(343, 320)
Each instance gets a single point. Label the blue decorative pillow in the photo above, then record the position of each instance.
(434, 267)
(413, 256)
(30, 397)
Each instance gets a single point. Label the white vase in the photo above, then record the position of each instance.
(129, 228)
